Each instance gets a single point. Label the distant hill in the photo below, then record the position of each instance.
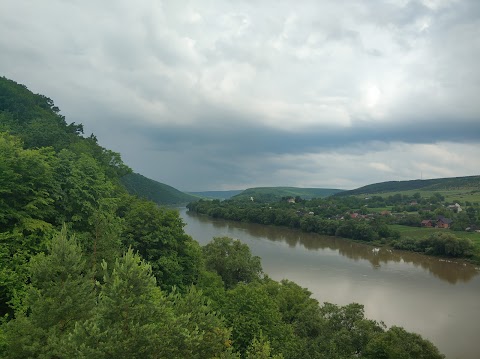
(265, 194)
(157, 192)
(452, 183)
(217, 194)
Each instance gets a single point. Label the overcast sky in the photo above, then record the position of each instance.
(212, 94)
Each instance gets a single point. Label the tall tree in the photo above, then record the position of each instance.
(157, 234)
(232, 260)
(60, 294)
(253, 312)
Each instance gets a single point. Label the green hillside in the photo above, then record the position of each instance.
(267, 194)
(90, 271)
(157, 192)
(437, 184)
(217, 194)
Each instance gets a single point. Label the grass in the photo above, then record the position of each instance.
(462, 195)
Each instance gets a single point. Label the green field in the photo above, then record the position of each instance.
(419, 232)
(454, 195)
(468, 183)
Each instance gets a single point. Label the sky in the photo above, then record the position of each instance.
(221, 94)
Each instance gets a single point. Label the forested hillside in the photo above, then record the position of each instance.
(157, 192)
(454, 183)
(89, 271)
(269, 194)
(217, 194)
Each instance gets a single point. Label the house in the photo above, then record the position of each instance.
(291, 200)
(455, 207)
(426, 223)
(354, 215)
(443, 222)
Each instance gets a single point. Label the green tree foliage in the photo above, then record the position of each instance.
(232, 260)
(84, 187)
(472, 215)
(396, 343)
(61, 292)
(157, 234)
(157, 192)
(28, 191)
(260, 349)
(439, 243)
(133, 319)
(252, 312)
(346, 332)
(310, 216)
(165, 297)
(210, 336)
(447, 244)
(27, 185)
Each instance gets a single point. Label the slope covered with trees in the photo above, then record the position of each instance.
(217, 194)
(270, 194)
(89, 271)
(152, 190)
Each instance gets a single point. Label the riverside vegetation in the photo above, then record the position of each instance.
(367, 219)
(88, 270)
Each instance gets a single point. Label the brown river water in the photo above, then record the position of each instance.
(437, 298)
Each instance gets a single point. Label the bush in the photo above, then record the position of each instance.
(446, 244)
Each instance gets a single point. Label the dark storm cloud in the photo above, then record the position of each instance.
(232, 140)
(231, 94)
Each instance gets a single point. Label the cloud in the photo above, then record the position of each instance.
(225, 89)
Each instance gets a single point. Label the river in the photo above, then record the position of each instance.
(436, 298)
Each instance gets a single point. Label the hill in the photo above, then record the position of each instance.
(217, 194)
(78, 252)
(152, 190)
(437, 184)
(266, 194)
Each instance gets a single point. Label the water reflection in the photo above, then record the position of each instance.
(446, 270)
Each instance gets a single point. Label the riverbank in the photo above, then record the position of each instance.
(429, 295)
(377, 231)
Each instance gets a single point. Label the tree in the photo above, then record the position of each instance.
(472, 215)
(260, 349)
(252, 312)
(396, 343)
(345, 331)
(27, 184)
(60, 294)
(84, 187)
(133, 319)
(232, 260)
(157, 234)
(444, 243)
(209, 335)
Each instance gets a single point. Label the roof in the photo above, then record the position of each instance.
(444, 220)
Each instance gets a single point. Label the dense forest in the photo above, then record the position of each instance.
(88, 270)
(157, 192)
